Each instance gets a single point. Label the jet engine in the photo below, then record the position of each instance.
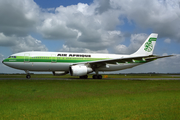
(58, 73)
(79, 70)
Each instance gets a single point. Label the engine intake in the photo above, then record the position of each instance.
(79, 70)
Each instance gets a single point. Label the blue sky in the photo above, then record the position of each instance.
(95, 26)
(56, 3)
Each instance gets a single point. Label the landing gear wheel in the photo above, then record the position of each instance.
(97, 76)
(83, 77)
(28, 76)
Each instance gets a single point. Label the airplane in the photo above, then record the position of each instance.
(82, 64)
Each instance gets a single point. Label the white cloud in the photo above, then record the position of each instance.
(54, 28)
(82, 50)
(104, 5)
(28, 44)
(89, 26)
(1, 57)
(93, 26)
(121, 49)
(18, 17)
(136, 41)
(19, 44)
(81, 27)
(170, 64)
(167, 40)
(162, 16)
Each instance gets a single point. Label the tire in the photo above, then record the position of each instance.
(95, 77)
(99, 76)
(86, 76)
(28, 76)
(83, 77)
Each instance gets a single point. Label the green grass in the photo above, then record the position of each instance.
(89, 99)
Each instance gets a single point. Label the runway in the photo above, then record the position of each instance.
(90, 79)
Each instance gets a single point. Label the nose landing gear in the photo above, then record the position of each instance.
(28, 76)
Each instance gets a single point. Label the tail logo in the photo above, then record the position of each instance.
(148, 45)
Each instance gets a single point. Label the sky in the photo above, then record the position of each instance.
(91, 26)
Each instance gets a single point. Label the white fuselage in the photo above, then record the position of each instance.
(60, 61)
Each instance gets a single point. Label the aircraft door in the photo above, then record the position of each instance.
(26, 57)
(53, 58)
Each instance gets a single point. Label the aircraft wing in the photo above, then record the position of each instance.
(128, 59)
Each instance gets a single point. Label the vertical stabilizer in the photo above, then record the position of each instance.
(148, 46)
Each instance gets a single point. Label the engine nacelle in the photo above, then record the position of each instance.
(58, 73)
(79, 70)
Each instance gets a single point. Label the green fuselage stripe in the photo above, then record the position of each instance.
(51, 59)
(59, 59)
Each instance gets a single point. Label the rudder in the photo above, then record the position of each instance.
(147, 47)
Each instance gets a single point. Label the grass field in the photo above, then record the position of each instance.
(89, 99)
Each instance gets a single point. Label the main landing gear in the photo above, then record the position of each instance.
(28, 76)
(86, 76)
(97, 76)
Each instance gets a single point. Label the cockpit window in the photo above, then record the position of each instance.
(12, 57)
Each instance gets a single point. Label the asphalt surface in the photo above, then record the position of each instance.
(90, 79)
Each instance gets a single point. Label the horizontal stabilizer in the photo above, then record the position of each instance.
(157, 57)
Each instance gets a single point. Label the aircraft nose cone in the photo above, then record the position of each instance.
(3, 61)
